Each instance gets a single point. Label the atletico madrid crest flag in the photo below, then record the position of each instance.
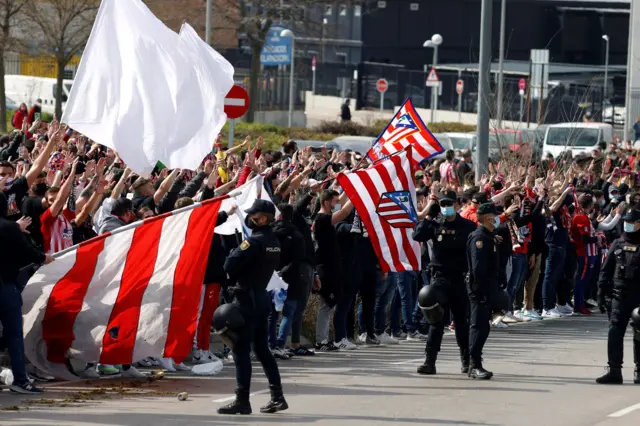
(406, 128)
(385, 197)
(121, 297)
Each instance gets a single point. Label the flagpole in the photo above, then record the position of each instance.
(145, 221)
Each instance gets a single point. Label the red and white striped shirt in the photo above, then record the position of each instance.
(57, 232)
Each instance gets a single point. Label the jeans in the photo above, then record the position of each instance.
(552, 274)
(384, 293)
(586, 266)
(278, 339)
(11, 319)
(403, 300)
(322, 321)
(519, 268)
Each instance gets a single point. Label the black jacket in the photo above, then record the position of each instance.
(11, 150)
(217, 252)
(449, 241)
(482, 258)
(291, 256)
(16, 251)
(300, 214)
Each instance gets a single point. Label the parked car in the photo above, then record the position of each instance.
(359, 144)
(316, 146)
(576, 137)
(510, 140)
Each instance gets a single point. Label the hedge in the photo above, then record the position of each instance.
(45, 117)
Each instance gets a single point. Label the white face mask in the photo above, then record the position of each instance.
(336, 208)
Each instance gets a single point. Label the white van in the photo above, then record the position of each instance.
(27, 89)
(576, 137)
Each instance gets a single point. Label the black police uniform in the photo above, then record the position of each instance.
(620, 282)
(252, 265)
(448, 268)
(483, 280)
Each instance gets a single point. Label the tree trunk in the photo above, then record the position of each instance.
(59, 86)
(254, 90)
(3, 97)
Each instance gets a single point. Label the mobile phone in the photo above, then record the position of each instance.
(36, 116)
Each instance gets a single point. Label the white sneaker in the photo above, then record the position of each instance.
(146, 363)
(520, 316)
(385, 339)
(565, 310)
(167, 364)
(509, 319)
(156, 362)
(532, 314)
(208, 356)
(497, 320)
(132, 373)
(181, 367)
(551, 313)
(346, 345)
(416, 336)
(500, 324)
(362, 339)
(90, 373)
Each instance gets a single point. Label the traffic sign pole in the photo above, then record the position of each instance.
(460, 89)
(382, 86)
(381, 101)
(232, 131)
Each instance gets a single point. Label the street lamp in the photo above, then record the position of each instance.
(606, 66)
(284, 34)
(434, 42)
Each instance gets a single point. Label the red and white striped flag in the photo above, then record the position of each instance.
(121, 297)
(406, 128)
(385, 197)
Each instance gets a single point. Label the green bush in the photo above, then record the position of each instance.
(45, 117)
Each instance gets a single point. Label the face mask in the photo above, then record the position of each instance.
(250, 223)
(614, 157)
(602, 203)
(496, 221)
(336, 208)
(629, 227)
(8, 183)
(448, 211)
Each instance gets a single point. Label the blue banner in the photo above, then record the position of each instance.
(276, 50)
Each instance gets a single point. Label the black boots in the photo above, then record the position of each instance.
(429, 366)
(477, 372)
(464, 358)
(240, 405)
(277, 403)
(613, 377)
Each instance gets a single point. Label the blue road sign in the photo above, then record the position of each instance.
(276, 50)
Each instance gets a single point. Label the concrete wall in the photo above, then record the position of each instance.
(281, 118)
(326, 108)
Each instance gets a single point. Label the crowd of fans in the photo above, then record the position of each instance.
(560, 215)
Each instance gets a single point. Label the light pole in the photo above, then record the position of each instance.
(288, 33)
(324, 23)
(484, 74)
(499, 98)
(207, 37)
(606, 67)
(434, 42)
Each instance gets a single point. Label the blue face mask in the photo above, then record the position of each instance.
(448, 211)
(496, 221)
(602, 203)
(629, 227)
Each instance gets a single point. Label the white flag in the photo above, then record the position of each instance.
(147, 92)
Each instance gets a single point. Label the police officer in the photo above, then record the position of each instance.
(448, 267)
(483, 280)
(620, 283)
(252, 266)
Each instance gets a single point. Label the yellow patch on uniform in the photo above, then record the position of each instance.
(630, 248)
(245, 245)
(479, 244)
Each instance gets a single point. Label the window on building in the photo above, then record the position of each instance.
(414, 7)
(343, 10)
(382, 4)
(341, 57)
(357, 10)
(328, 10)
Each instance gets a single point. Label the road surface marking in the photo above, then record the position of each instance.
(410, 361)
(231, 398)
(625, 411)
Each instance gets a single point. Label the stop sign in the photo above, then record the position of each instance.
(236, 103)
(459, 87)
(522, 84)
(382, 85)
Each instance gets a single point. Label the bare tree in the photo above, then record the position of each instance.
(64, 27)
(10, 16)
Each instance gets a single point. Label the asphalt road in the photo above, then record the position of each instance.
(544, 375)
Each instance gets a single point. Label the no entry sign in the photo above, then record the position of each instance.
(522, 84)
(459, 87)
(236, 103)
(382, 85)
